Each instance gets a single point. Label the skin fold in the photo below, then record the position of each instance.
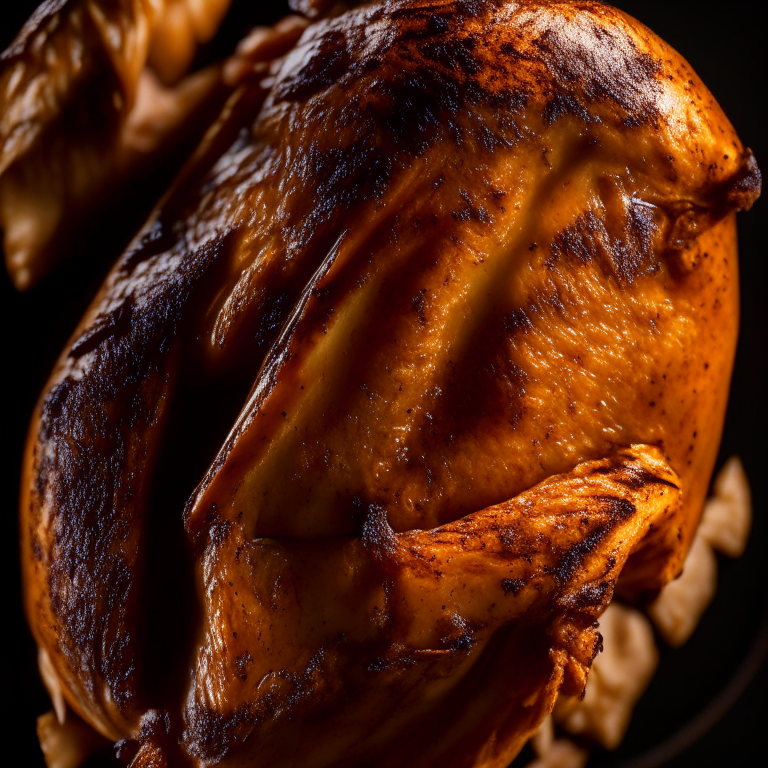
(423, 357)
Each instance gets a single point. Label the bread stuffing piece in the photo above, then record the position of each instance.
(68, 743)
(554, 752)
(724, 527)
(727, 517)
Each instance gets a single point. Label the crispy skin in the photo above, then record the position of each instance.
(461, 248)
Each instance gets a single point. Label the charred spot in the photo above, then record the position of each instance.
(631, 122)
(512, 586)
(371, 65)
(113, 324)
(622, 241)
(571, 560)
(591, 595)
(641, 227)
(219, 531)
(437, 24)
(516, 321)
(576, 241)
(429, 91)
(377, 534)
(511, 101)
(562, 104)
(210, 734)
(454, 53)
(462, 643)
(55, 407)
(274, 309)
(328, 60)
(37, 548)
(242, 662)
(601, 65)
(631, 227)
(360, 170)
(618, 508)
(508, 49)
(157, 238)
(467, 210)
(337, 178)
(460, 11)
(419, 107)
(634, 478)
(598, 646)
(419, 304)
(469, 9)
(379, 664)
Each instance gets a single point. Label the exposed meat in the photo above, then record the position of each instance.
(423, 356)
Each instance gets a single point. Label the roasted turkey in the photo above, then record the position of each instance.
(86, 127)
(421, 360)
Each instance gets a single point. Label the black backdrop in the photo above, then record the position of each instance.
(706, 706)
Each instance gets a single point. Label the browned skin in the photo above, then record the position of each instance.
(461, 249)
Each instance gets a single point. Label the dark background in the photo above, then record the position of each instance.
(706, 705)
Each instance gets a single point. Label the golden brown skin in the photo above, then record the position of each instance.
(463, 253)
